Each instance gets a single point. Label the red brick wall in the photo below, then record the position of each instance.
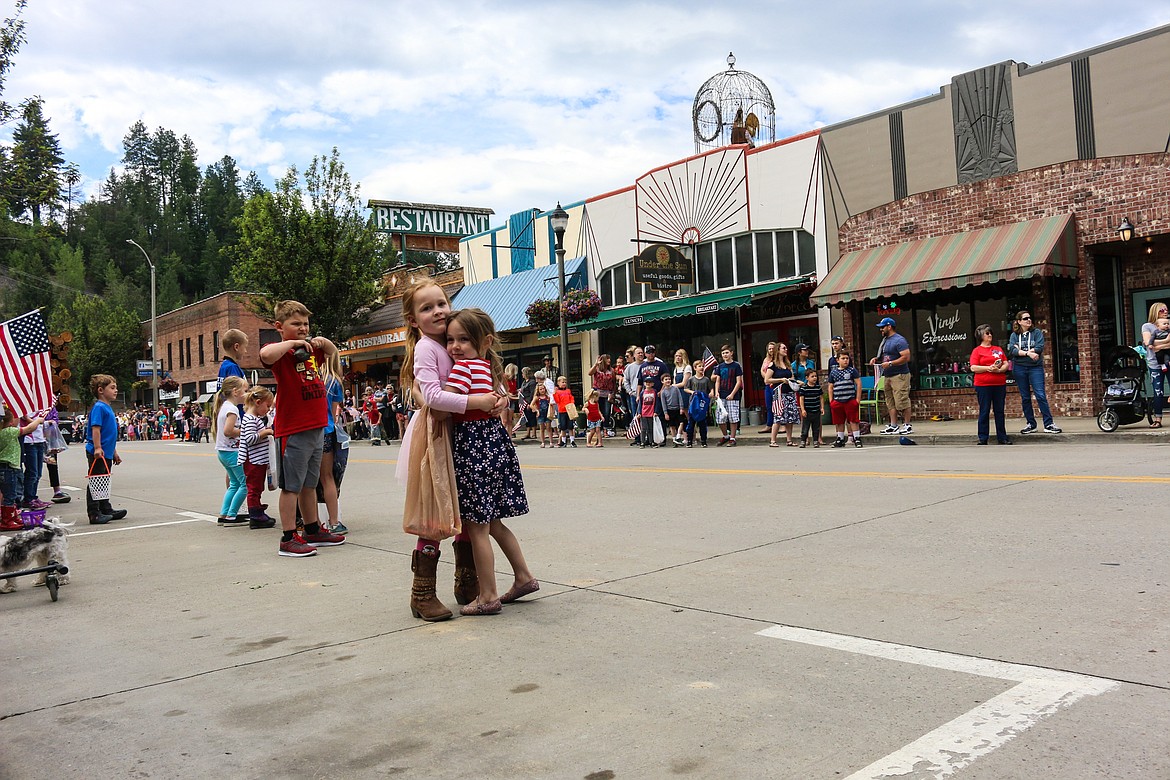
(1099, 193)
(206, 317)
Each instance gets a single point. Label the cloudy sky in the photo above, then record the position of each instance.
(506, 105)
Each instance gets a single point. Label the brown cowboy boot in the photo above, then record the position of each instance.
(423, 601)
(466, 581)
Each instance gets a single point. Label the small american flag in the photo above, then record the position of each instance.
(709, 361)
(26, 380)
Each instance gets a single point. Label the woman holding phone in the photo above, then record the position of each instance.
(990, 366)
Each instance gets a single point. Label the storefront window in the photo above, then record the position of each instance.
(746, 259)
(765, 259)
(723, 275)
(940, 328)
(1065, 352)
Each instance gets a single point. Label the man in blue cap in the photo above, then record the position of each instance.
(893, 359)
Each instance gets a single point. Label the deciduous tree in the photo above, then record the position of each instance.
(313, 244)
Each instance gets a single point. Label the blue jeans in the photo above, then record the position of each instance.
(1157, 379)
(34, 466)
(991, 398)
(769, 396)
(10, 484)
(237, 489)
(1030, 380)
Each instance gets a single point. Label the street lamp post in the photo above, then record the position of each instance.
(153, 325)
(560, 221)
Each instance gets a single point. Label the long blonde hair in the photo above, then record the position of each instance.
(482, 331)
(406, 375)
(230, 385)
(330, 369)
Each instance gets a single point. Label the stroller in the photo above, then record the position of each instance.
(1125, 399)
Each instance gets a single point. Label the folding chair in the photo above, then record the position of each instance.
(871, 403)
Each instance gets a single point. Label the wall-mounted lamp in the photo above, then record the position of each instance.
(1125, 230)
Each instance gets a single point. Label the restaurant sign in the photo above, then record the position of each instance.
(424, 219)
(663, 268)
(370, 341)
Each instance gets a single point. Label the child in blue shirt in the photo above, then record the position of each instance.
(101, 441)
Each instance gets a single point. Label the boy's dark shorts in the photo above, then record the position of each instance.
(299, 464)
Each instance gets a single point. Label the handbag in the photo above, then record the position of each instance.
(432, 498)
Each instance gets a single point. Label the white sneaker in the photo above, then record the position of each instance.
(889, 429)
(906, 429)
(1052, 429)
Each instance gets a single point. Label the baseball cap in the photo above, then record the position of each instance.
(649, 348)
(837, 338)
(801, 346)
(886, 321)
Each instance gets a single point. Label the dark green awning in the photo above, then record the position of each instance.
(677, 307)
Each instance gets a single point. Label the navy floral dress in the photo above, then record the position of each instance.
(785, 406)
(487, 472)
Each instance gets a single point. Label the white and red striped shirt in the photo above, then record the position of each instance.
(471, 377)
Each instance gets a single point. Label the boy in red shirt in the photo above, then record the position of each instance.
(300, 426)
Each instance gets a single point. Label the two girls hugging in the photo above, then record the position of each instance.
(453, 367)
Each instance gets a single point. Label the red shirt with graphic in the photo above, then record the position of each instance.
(986, 356)
(300, 394)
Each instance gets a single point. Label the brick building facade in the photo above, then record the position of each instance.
(1099, 193)
(189, 342)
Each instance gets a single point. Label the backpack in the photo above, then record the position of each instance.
(700, 403)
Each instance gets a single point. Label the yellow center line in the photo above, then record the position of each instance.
(794, 473)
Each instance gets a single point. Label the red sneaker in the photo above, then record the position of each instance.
(324, 539)
(296, 548)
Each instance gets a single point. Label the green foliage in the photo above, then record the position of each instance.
(311, 244)
(106, 339)
(34, 170)
(11, 37)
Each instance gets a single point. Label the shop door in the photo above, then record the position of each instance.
(754, 347)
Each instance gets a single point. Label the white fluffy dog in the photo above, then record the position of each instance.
(33, 548)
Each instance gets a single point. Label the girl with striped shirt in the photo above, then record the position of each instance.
(255, 431)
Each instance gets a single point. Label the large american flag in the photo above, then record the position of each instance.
(26, 379)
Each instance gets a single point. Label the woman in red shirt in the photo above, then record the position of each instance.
(990, 366)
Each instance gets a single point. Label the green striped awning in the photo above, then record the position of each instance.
(1038, 247)
(679, 306)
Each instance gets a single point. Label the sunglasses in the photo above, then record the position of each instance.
(1025, 318)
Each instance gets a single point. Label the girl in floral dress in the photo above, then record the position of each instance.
(487, 470)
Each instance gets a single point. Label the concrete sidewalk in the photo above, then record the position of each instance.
(962, 432)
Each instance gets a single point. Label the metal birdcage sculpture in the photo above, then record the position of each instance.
(733, 107)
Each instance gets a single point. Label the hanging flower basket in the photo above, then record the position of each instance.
(168, 384)
(579, 305)
(543, 315)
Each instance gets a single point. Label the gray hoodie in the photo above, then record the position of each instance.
(1024, 341)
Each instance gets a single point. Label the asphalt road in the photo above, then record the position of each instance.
(971, 612)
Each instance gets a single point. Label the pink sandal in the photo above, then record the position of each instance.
(520, 591)
(476, 608)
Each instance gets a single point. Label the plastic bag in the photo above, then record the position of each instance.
(53, 437)
(432, 498)
(659, 434)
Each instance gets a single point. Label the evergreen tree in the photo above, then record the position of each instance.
(34, 171)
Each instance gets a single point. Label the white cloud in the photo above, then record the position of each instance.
(507, 105)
